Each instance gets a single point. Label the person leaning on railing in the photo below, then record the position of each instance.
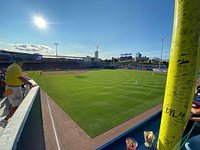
(14, 79)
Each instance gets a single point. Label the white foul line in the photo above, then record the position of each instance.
(52, 121)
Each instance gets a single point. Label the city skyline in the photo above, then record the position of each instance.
(116, 26)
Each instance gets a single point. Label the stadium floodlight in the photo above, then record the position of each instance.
(163, 38)
(56, 44)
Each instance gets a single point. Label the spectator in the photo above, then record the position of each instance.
(2, 74)
(193, 142)
(2, 83)
(195, 112)
(197, 91)
(14, 79)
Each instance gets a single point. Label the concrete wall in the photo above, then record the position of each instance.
(25, 130)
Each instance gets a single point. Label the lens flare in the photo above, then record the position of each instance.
(40, 22)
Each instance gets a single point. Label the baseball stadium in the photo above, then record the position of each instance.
(85, 103)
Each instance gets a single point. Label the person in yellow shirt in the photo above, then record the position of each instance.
(14, 80)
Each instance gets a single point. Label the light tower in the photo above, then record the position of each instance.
(162, 46)
(56, 44)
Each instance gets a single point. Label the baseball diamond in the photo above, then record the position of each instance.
(98, 100)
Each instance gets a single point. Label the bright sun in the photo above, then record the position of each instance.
(40, 22)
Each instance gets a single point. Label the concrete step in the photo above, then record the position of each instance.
(4, 110)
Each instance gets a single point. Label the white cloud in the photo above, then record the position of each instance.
(6, 49)
(32, 48)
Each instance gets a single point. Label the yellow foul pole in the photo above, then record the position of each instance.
(182, 73)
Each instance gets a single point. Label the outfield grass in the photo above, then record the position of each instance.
(99, 100)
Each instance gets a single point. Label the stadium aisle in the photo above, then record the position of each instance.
(4, 110)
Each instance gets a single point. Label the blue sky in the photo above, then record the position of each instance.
(117, 26)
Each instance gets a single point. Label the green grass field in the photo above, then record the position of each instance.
(99, 100)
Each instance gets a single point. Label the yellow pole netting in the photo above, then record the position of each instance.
(182, 73)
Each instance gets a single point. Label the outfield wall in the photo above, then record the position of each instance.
(150, 124)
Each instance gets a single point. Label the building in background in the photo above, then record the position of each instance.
(140, 58)
(96, 55)
(154, 60)
(87, 59)
(125, 57)
(138, 54)
(9, 56)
